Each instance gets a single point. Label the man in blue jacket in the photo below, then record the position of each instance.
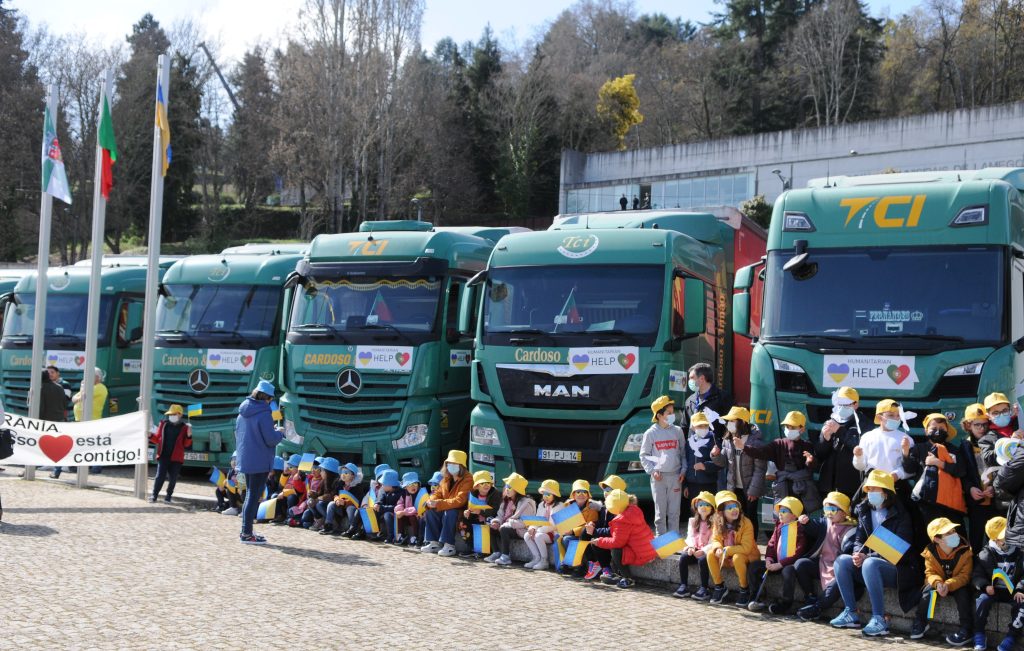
(256, 438)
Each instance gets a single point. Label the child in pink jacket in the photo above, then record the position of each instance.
(406, 515)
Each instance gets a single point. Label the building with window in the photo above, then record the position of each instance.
(731, 170)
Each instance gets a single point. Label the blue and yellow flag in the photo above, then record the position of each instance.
(574, 551)
(1000, 576)
(932, 601)
(267, 510)
(231, 485)
(558, 552)
(482, 538)
(568, 519)
(889, 545)
(369, 517)
(422, 498)
(668, 543)
(306, 464)
(165, 129)
(370, 501)
(478, 503)
(275, 413)
(534, 521)
(348, 497)
(217, 477)
(787, 540)
(283, 480)
(195, 410)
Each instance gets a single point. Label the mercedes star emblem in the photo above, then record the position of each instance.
(349, 382)
(199, 380)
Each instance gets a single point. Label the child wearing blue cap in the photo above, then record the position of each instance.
(229, 502)
(348, 488)
(318, 499)
(407, 522)
(293, 490)
(385, 505)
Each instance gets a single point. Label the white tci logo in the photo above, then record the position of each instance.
(560, 391)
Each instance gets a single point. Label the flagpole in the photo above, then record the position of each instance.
(156, 210)
(92, 322)
(42, 284)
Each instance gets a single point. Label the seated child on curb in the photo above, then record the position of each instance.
(997, 556)
(591, 510)
(483, 488)
(229, 501)
(833, 534)
(407, 519)
(601, 559)
(515, 504)
(698, 537)
(732, 545)
(293, 491)
(350, 481)
(385, 506)
(947, 571)
(630, 540)
(314, 483)
(319, 498)
(536, 538)
(779, 559)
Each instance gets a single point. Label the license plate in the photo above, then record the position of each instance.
(197, 456)
(560, 456)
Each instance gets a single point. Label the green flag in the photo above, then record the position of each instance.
(55, 180)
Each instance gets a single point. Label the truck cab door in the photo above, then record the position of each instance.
(1017, 326)
(126, 355)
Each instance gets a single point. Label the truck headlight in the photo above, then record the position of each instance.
(414, 435)
(633, 442)
(966, 369)
(480, 457)
(290, 434)
(483, 435)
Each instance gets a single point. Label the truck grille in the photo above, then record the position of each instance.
(542, 391)
(376, 410)
(16, 384)
(593, 439)
(220, 401)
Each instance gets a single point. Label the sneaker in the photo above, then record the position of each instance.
(876, 627)
(682, 592)
(918, 629)
(809, 613)
(231, 511)
(756, 606)
(253, 539)
(702, 594)
(593, 570)
(625, 583)
(742, 598)
(293, 522)
(167, 500)
(780, 607)
(532, 565)
(610, 579)
(359, 535)
(152, 499)
(503, 560)
(447, 550)
(980, 642)
(431, 548)
(1007, 644)
(959, 638)
(493, 557)
(719, 594)
(846, 619)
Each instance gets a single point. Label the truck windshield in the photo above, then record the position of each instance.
(407, 304)
(911, 297)
(65, 317)
(575, 300)
(219, 312)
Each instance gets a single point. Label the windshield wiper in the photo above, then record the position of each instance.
(926, 337)
(615, 332)
(386, 326)
(177, 333)
(513, 339)
(233, 333)
(324, 326)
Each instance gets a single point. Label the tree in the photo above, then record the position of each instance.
(619, 106)
(253, 129)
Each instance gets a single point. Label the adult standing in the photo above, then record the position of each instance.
(172, 436)
(704, 394)
(52, 400)
(662, 455)
(255, 441)
(623, 202)
(840, 434)
(99, 400)
(54, 377)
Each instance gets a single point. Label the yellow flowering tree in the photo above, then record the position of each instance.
(619, 106)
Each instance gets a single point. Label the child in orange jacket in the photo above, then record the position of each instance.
(732, 545)
(948, 562)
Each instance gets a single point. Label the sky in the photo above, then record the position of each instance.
(240, 24)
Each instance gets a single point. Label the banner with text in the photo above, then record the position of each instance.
(870, 371)
(114, 441)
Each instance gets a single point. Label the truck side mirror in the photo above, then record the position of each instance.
(744, 278)
(467, 308)
(694, 307)
(741, 313)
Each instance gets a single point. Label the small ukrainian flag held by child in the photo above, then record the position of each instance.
(534, 521)
(932, 601)
(478, 503)
(787, 541)
(568, 519)
(482, 538)
(348, 497)
(306, 464)
(668, 543)
(284, 480)
(889, 545)
(195, 410)
(369, 517)
(422, 498)
(573, 555)
(275, 413)
(1000, 576)
(267, 510)
(231, 485)
(218, 478)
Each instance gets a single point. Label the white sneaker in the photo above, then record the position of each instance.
(532, 565)
(493, 558)
(503, 560)
(231, 511)
(430, 548)
(447, 550)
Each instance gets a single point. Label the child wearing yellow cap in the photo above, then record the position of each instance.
(839, 435)
(515, 504)
(601, 527)
(172, 436)
(793, 456)
(732, 546)
(745, 475)
(590, 510)
(629, 541)
(537, 538)
(1008, 561)
(662, 457)
(698, 541)
(936, 472)
(947, 572)
(483, 488)
(834, 534)
(1002, 414)
(778, 557)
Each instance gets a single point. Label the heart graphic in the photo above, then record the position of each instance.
(838, 371)
(246, 360)
(79, 360)
(56, 447)
(52, 359)
(627, 360)
(214, 359)
(402, 358)
(455, 357)
(581, 361)
(365, 358)
(898, 373)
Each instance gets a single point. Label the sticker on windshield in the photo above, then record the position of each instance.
(578, 246)
(677, 380)
(869, 371)
(66, 360)
(397, 359)
(461, 358)
(226, 359)
(131, 366)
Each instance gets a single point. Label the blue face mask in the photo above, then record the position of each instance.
(844, 413)
(952, 540)
(453, 468)
(1001, 420)
(891, 425)
(692, 385)
(876, 499)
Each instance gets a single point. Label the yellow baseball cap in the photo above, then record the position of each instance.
(613, 482)
(940, 526)
(939, 419)
(616, 502)
(516, 482)
(482, 477)
(883, 406)
(838, 500)
(993, 399)
(791, 503)
(551, 486)
(659, 404)
(846, 395)
(880, 479)
(795, 419)
(738, 413)
(995, 528)
(174, 410)
(699, 419)
(976, 411)
(581, 485)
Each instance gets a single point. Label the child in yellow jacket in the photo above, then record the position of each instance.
(732, 545)
(948, 562)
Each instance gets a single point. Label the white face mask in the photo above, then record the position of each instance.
(174, 419)
(732, 426)
(700, 433)
(792, 434)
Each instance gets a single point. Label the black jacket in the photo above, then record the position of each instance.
(1010, 480)
(53, 403)
(909, 576)
(913, 465)
(388, 501)
(988, 559)
(835, 460)
(716, 400)
(493, 500)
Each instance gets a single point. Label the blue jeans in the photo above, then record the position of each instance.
(254, 483)
(388, 520)
(441, 526)
(332, 516)
(874, 573)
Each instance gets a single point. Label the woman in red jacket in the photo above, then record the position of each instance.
(172, 436)
(630, 539)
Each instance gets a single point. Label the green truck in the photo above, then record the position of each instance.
(904, 286)
(375, 368)
(119, 352)
(218, 332)
(580, 327)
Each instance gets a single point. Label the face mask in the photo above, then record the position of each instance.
(952, 540)
(731, 427)
(843, 413)
(453, 468)
(692, 385)
(670, 420)
(876, 499)
(792, 434)
(174, 419)
(891, 424)
(1001, 420)
(700, 433)
(937, 437)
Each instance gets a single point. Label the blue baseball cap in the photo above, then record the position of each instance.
(278, 463)
(389, 478)
(265, 387)
(379, 469)
(319, 461)
(410, 478)
(295, 460)
(349, 467)
(330, 464)
(436, 479)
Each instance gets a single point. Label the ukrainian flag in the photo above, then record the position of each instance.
(558, 552)
(574, 552)
(307, 461)
(284, 480)
(195, 410)
(568, 519)
(787, 540)
(369, 517)
(482, 538)
(932, 601)
(275, 413)
(217, 477)
(889, 545)
(232, 485)
(534, 521)
(478, 503)
(999, 575)
(422, 498)
(267, 510)
(668, 543)
(165, 130)
(348, 497)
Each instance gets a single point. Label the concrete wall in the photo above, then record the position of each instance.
(967, 139)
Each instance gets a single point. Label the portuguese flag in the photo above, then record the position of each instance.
(109, 146)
